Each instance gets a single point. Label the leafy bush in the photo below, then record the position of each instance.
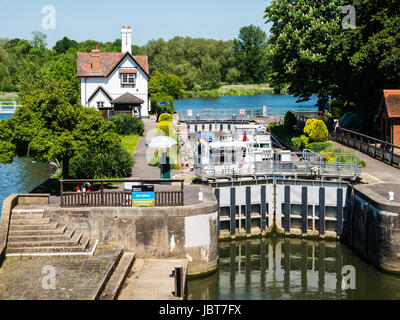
(166, 128)
(296, 142)
(316, 130)
(290, 120)
(319, 146)
(126, 124)
(102, 165)
(304, 141)
(165, 117)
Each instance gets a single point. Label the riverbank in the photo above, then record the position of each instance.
(231, 90)
(8, 96)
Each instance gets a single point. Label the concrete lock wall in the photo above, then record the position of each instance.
(188, 232)
(374, 228)
(298, 207)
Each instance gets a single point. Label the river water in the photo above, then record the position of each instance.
(286, 269)
(277, 105)
(22, 175)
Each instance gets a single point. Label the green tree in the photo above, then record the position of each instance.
(62, 46)
(51, 126)
(166, 83)
(209, 74)
(310, 51)
(233, 76)
(250, 53)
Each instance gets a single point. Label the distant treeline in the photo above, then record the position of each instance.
(203, 64)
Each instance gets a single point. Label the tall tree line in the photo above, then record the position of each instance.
(201, 63)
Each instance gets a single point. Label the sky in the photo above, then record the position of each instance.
(150, 19)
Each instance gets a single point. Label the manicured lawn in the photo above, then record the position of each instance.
(130, 142)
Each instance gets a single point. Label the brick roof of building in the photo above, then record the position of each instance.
(108, 62)
(392, 101)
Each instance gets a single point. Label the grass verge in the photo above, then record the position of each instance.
(231, 90)
(129, 143)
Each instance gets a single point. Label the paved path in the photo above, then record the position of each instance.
(141, 169)
(149, 280)
(77, 277)
(376, 171)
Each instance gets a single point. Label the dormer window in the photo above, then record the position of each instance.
(128, 76)
(128, 79)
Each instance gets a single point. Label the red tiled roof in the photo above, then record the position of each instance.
(108, 62)
(392, 101)
(127, 70)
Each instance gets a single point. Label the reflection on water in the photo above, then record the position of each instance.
(271, 269)
(21, 176)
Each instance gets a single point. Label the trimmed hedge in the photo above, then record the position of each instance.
(126, 124)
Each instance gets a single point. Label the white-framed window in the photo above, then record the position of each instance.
(128, 78)
(100, 104)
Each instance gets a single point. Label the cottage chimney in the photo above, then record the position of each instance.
(126, 37)
(95, 55)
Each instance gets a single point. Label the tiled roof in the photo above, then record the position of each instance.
(129, 71)
(108, 62)
(392, 100)
(127, 98)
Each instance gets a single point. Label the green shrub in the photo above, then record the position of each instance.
(296, 142)
(319, 146)
(166, 128)
(116, 164)
(304, 141)
(316, 130)
(126, 124)
(165, 117)
(290, 120)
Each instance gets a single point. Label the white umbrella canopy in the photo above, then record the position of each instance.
(161, 142)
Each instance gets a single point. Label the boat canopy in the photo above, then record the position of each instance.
(228, 144)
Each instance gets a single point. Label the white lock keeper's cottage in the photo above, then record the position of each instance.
(115, 82)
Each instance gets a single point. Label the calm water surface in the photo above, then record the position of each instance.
(22, 175)
(277, 105)
(285, 269)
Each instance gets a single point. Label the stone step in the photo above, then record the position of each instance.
(38, 232)
(47, 227)
(50, 249)
(55, 237)
(18, 216)
(28, 221)
(74, 241)
(117, 279)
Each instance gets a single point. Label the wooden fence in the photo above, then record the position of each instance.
(106, 198)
